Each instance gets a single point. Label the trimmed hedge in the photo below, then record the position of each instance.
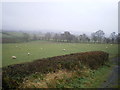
(13, 75)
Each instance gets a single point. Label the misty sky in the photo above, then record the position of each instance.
(76, 17)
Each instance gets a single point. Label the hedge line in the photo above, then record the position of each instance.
(13, 75)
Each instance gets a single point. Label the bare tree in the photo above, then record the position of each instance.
(98, 36)
(118, 38)
(47, 36)
(94, 37)
(26, 37)
(66, 36)
(56, 37)
(113, 37)
(34, 37)
(106, 40)
(84, 38)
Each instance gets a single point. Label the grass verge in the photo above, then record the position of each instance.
(85, 78)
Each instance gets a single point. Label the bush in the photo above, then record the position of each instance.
(13, 75)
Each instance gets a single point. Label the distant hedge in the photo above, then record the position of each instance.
(13, 75)
(13, 40)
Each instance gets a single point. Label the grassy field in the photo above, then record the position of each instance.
(44, 49)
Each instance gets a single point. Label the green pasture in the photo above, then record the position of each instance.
(44, 49)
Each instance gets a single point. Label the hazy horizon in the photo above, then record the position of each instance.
(78, 18)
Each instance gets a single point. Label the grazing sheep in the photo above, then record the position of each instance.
(106, 47)
(28, 53)
(13, 57)
(41, 48)
(64, 49)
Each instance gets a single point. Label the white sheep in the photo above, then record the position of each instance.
(64, 49)
(106, 47)
(13, 57)
(28, 53)
(16, 46)
(111, 44)
(41, 48)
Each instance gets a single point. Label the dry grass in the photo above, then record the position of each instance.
(50, 80)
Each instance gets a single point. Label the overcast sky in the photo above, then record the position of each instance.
(77, 17)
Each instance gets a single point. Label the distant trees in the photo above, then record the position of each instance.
(93, 37)
(26, 37)
(118, 38)
(14, 37)
(64, 37)
(113, 37)
(96, 37)
(56, 37)
(47, 36)
(84, 38)
(67, 36)
(34, 37)
(106, 40)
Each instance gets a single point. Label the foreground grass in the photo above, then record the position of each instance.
(94, 79)
(84, 78)
(44, 49)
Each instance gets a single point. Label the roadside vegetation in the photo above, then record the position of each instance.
(85, 78)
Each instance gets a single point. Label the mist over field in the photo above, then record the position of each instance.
(83, 21)
(75, 17)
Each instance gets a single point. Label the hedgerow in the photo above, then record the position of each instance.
(13, 75)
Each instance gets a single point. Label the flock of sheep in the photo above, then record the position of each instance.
(14, 57)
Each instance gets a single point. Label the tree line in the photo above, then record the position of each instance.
(96, 37)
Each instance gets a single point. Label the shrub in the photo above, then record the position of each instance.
(13, 75)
